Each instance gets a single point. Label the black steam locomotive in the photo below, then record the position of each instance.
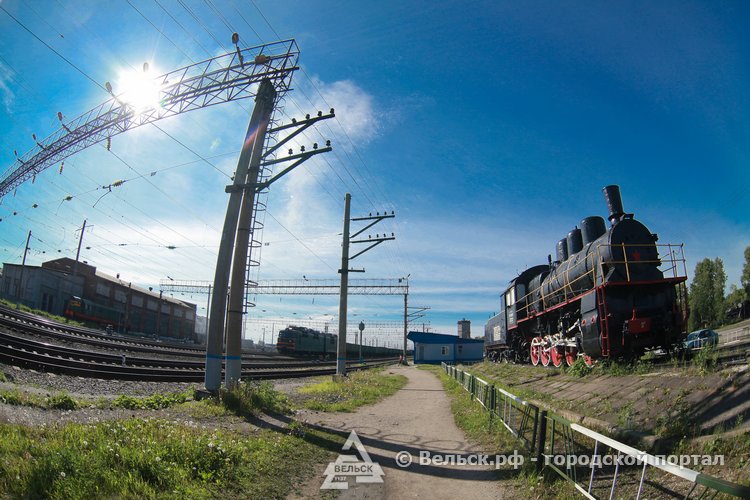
(609, 294)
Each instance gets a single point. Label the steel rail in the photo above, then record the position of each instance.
(46, 363)
(122, 360)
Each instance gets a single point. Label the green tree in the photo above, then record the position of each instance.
(736, 297)
(707, 294)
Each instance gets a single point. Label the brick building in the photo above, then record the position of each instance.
(140, 310)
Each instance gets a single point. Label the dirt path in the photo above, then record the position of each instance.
(416, 418)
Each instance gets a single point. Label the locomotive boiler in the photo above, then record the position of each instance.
(612, 292)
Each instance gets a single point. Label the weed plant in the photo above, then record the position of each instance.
(359, 388)
(250, 398)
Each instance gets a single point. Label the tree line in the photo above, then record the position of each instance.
(709, 308)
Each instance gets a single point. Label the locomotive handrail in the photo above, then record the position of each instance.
(673, 256)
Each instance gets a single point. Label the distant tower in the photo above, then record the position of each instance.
(464, 329)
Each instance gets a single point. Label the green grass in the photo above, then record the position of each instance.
(734, 449)
(474, 420)
(359, 388)
(250, 398)
(149, 458)
(154, 402)
(27, 309)
(63, 401)
(60, 401)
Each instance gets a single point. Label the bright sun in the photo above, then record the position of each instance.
(139, 90)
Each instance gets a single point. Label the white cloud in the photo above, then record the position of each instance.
(8, 98)
(354, 108)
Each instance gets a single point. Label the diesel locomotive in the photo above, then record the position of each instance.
(612, 292)
(301, 341)
(91, 312)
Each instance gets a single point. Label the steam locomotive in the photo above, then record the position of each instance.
(298, 340)
(609, 294)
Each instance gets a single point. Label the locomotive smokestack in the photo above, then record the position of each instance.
(614, 203)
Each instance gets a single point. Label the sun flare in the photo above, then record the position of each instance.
(139, 89)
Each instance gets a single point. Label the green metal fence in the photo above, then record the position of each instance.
(597, 465)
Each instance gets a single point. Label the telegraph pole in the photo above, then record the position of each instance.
(344, 271)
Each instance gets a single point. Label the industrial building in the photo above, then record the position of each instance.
(464, 329)
(49, 287)
(439, 348)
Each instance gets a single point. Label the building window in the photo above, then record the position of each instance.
(444, 350)
(102, 289)
(137, 301)
(460, 348)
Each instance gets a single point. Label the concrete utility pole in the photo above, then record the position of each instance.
(344, 270)
(78, 252)
(233, 368)
(406, 315)
(217, 314)
(344, 288)
(23, 267)
(238, 226)
(361, 331)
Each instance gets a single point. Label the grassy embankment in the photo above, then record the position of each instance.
(359, 388)
(172, 458)
(27, 309)
(673, 423)
(474, 420)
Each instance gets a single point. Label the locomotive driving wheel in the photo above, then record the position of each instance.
(571, 354)
(544, 354)
(588, 360)
(534, 351)
(557, 356)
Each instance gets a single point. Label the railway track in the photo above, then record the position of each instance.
(26, 323)
(49, 358)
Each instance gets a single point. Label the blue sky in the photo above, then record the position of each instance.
(489, 128)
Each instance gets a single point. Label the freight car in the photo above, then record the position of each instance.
(301, 341)
(611, 293)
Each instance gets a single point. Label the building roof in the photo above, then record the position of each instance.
(65, 264)
(439, 338)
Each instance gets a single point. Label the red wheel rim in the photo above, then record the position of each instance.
(535, 354)
(571, 353)
(588, 360)
(544, 354)
(557, 357)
